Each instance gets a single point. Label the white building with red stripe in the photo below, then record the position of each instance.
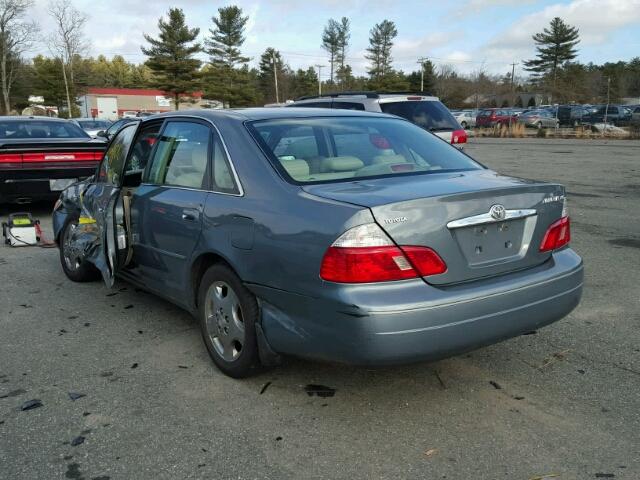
(114, 103)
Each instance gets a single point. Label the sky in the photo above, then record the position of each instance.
(471, 35)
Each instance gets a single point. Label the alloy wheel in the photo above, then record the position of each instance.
(225, 321)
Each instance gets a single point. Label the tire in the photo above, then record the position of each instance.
(539, 125)
(227, 313)
(74, 269)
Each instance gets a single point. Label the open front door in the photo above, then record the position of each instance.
(106, 204)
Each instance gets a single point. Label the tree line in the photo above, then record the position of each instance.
(175, 65)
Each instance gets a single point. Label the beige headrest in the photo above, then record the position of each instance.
(340, 164)
(389, 159)
(296, 168)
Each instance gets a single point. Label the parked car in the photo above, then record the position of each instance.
(539, 119)
(425, 111)
(329, 234)
(92, 126)
(571, 115)
(614, 114)
(466, 118)
(635, 115)
(490, 117)
(130, 114)
(114, 127)
(40, 156)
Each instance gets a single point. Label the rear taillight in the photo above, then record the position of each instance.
(558, 235)
(458, 136)
(365, 254)
(10, 158)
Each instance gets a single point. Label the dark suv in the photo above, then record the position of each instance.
(615, 115)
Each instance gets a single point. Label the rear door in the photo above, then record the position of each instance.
(167, 208)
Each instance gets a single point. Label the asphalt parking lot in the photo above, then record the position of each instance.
(562, 403)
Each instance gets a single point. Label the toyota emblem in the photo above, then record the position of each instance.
(498, 212)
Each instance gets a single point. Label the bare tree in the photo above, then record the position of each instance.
(68, 41)
(16, 36)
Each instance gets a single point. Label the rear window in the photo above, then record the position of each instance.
(430, 115)
(325, 149)
(40, 129)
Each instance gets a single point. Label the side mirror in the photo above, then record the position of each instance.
(102, 134)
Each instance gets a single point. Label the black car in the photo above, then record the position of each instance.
(571, 115)
(41, 156)
(614, 114)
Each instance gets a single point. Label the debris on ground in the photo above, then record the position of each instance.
(444, 387)
(554, 357)
(128, 307)
(135, 365)
(75, 396)
(518, 397)
(319, 390)
(31, 404)
(77, 441)
(605, 475)
(430, 452)
(495, 385)
(264, 387)
(545, 477)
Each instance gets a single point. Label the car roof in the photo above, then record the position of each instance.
(16, 118)
(245, 114)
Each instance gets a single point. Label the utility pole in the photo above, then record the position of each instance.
(275, 74)
(421, 61)
(319, 67)
(513, 90)
(606, 110)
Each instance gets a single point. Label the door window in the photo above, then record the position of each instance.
(223, 180)
(181, 156)
(347, 105)
(113, 161)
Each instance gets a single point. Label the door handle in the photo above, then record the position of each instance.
(190, 215)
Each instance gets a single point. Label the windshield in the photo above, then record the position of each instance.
(323, 149)
(40, 129)
(429, 115)
(93, 124)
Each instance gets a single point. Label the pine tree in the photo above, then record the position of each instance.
(379, 51)
(343, 73)
(331, 42)
(227, 76)
(266, 76)
(227, 37)
(555, 46)
(171, 56)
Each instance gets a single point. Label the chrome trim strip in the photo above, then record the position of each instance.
(485, 218)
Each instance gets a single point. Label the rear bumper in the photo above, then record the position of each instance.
(33, 184)
(410, 321)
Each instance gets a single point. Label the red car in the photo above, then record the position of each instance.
(490, 117)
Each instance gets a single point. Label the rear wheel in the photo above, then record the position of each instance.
(539, 125)
(228, 313)
(74, 266)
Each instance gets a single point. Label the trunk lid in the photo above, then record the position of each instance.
(451, 213)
